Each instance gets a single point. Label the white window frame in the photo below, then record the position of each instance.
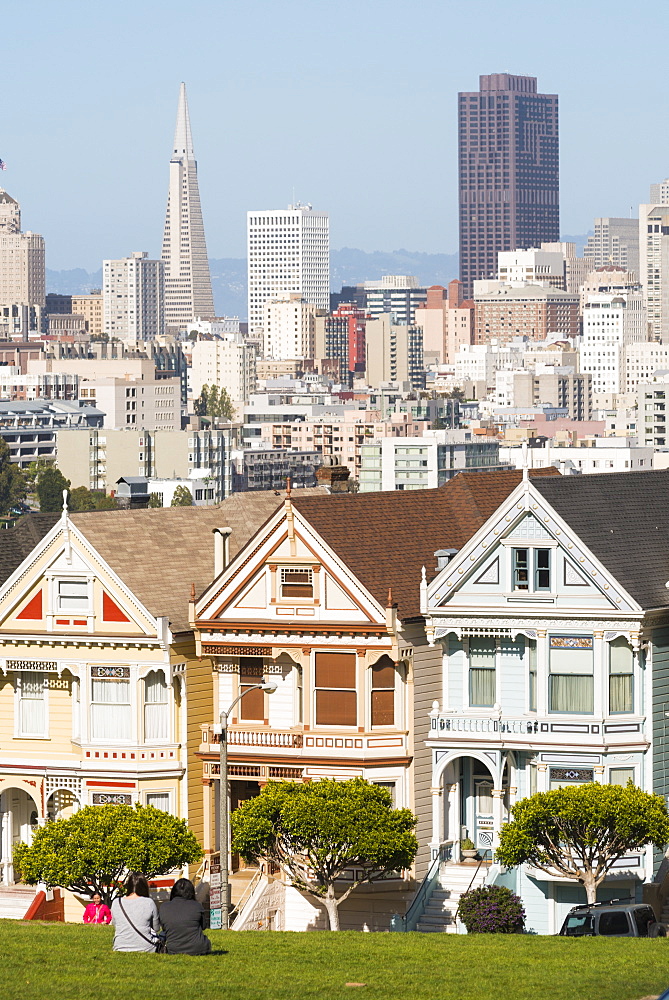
(482, 709)
(168, 703)
(58, 581)
(132, 687)
(18, 682)
(532, 545)
(160, 791)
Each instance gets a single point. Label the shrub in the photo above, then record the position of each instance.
(492, 909)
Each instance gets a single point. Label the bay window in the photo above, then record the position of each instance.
(156, 707)
(621, 677)
(482, 673)
(383, 692)
(32, 706)
(111, 710)
(571, 680)
(336, 699)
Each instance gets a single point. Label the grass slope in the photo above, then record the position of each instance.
(56, 962)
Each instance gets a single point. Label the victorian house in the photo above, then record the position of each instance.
(549, 626)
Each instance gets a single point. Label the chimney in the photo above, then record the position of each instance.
(443, 557)
(221, 549)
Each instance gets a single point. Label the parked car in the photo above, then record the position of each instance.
(612, 919)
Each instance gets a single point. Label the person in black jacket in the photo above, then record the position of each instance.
(182, 918)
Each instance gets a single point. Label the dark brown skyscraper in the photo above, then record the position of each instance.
(509, 172)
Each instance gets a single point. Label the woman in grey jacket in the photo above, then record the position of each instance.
(135, 917)
(182, 918)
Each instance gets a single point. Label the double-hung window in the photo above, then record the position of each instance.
(383, 692)
(482, 672)
(297, 583)
(621, 677)
(252, 704)
(571, 680)
(531, 570)
(336, 698)
(111, 710)
(32, 706)
(71, 595)
(156, 707)
(532, 664)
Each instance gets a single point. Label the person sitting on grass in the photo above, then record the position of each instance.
(182, 918)
(135, 917)
(97, 912)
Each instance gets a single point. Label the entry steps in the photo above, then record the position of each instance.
(438, 917)
(15, 901)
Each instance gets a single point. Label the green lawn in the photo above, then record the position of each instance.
(53, 961)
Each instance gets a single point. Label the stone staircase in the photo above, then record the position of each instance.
(454, 879)
(14, 901)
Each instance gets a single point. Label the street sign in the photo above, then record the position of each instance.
(215, 919)
(215, 898)
(215, 869)
(215, 881)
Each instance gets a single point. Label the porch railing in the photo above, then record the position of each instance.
(410, 920)
(460, 724)
(253, 737)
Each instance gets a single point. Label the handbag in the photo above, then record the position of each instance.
(159, 945)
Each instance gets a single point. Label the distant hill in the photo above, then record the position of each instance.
(347, 267)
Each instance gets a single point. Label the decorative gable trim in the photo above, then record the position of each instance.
(33, 609)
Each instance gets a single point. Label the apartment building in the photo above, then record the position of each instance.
(398, 294)
(133, 298)
(91, 308)
(31, 427)
(503, 312)
(289, 327)
(614, 241)
(642, 361)
(394, 353)
(22, 272)
(227, 362)
(426, 462)
(611, 323)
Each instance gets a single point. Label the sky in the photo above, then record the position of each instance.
(349, 105)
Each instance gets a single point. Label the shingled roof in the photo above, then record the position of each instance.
(157, 552)
(386, 538)
(623, 518)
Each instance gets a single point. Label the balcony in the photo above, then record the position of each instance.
(250, 738)
(546, 731)
(312, 743)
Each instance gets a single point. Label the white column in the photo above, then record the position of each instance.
(497, 814)
(601, 675)
(437, 818)
(542, 674)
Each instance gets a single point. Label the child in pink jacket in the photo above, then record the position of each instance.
(96, 912)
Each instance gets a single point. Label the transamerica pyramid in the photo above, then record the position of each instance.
(187, 278)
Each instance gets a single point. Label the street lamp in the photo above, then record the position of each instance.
(224, 819)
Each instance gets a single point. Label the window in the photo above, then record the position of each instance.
(297, 583)
(521, 573)
(159, 800)
(390, 786)
(156, 707)
(32, 714)
(336, 701)
(571, 682)
(621, 775)
(621, 677)
(252, 705)
(299, 695)
(522, 560)
(72, 595)
(614, 922)
(111, 717)
(532, 658)
(482, 673)
(643, 917)
(542, 569)
(383, 692)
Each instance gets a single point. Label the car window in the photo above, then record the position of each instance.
(614, 922)
(577, 924)
(643, 918)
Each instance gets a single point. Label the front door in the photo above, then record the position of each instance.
(18, 819)
(484, 814)
(241, 791)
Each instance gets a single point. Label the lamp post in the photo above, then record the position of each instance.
(224, 819)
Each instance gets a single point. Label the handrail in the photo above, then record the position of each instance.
(468, 887)
(425, 886)
(248, 892)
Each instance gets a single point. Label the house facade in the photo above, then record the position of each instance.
(550, 626)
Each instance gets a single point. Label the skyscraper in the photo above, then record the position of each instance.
(654, 261)
(616, 241)
(187, 278)
(288, 253)
(133, 298)
(508, 170)
(22, 275)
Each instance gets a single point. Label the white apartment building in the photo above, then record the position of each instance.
(214, 327)
(532, 266)
(398, 294)
(615, 241)
(479, 362)
(610, 454)
(652, 410)
(288, 252)
(150, 404)
(22, 275)
(133, 298)
(227, 362)
(611, 322)
(642, 361)
(289, 326)
(654, 264)
(576, 268)
(420, 463)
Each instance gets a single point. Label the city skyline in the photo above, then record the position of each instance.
(103, 146)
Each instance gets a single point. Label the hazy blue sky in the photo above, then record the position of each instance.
(351, 104)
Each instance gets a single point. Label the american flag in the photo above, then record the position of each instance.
(3, 165)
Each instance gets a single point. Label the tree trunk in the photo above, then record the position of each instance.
(332, 909)
(590, 887)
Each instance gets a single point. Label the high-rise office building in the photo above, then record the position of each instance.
(133, 307)
(654, 261)
(399, 294)
(616, 241)
(187, 278)
(22, 275)
(288, 254)
(508, 170)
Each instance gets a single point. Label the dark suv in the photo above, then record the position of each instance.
(612, 920)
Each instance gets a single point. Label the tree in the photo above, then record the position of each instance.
(225, 407)
(579, 832)
(12, 480)
(214, 401)
(316, 831)
(200, 404)
(182, 497)
(155, 501)
(81, 498)
(93, 850)
(50, 485)
(104, 502)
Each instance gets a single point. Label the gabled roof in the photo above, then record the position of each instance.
(386, 538)
(623, 518)
(156, 552)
